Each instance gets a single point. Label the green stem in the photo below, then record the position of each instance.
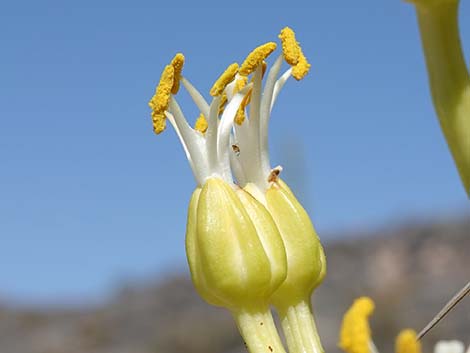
(258, 330)
(448, 77)
(299, 328)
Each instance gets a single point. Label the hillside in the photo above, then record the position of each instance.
(410, 272)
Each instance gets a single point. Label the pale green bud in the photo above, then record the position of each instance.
(235, 253)
(306, 263)
(306, 266)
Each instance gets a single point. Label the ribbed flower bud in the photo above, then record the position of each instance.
(306, 260)
(234, 249)
(306, 266)
(236, 257)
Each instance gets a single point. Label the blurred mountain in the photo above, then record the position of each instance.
(410, 272)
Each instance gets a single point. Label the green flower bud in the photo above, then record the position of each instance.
(235, 252)
(305, 257)
(306, 266)
(237, 258)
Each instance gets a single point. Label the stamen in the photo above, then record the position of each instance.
(265, 110)
(264, 67)
(225, 127)
(407, 342)
(355, 333)
(290, 47)
(161, 99)
(224, 79)
(212, 130)
(302, 68)
(240, 117)
(279, 84)
(256, 57)
(239, 84)
(223, 101)
(197, 97)
(193, 142)
(159, 122)
(201, 124)
(177, 63)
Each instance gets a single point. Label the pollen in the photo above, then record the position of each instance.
(159, 122)
(240, 117)
(201, 124)
(407, 342)
(355, 334)
(302, 68)
(223, 102)
(160, 101)
(177, 63)
(256, 57)
(290, 47)
(240, 83)
(224, 79)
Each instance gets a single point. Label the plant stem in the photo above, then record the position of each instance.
(299, 328)
(448, 78)
(258, 330)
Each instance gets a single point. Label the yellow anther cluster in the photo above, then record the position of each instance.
(407, 342)
(240, 83)
(224, 79)
(160, 101)
(293, 54)
(223, 102)
(240, 117)
(355, 336)
(302, 68)
(290, 47)
(201, 124)
(256, 57)
(177, 63)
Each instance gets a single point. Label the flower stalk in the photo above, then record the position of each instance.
(448, 77)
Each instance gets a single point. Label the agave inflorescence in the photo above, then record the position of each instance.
(249, 242)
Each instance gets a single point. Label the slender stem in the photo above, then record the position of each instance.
(258, 330)
(299, 328)
(448, 78)
(445, 310)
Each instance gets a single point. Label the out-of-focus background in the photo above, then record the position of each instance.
(93, 204)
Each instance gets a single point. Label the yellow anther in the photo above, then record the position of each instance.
(240, 117)
(201, 124)
(159, 122)
(355, 336)
(239, 84)
(407, 342)
(256, 57)
(290, 47)
(177, 63)
(301, 69)
(224, 79)
(161, 99)
(222, 103)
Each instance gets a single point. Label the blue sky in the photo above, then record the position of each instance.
(90, 196)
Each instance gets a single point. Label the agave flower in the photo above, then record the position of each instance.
(249, 242)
